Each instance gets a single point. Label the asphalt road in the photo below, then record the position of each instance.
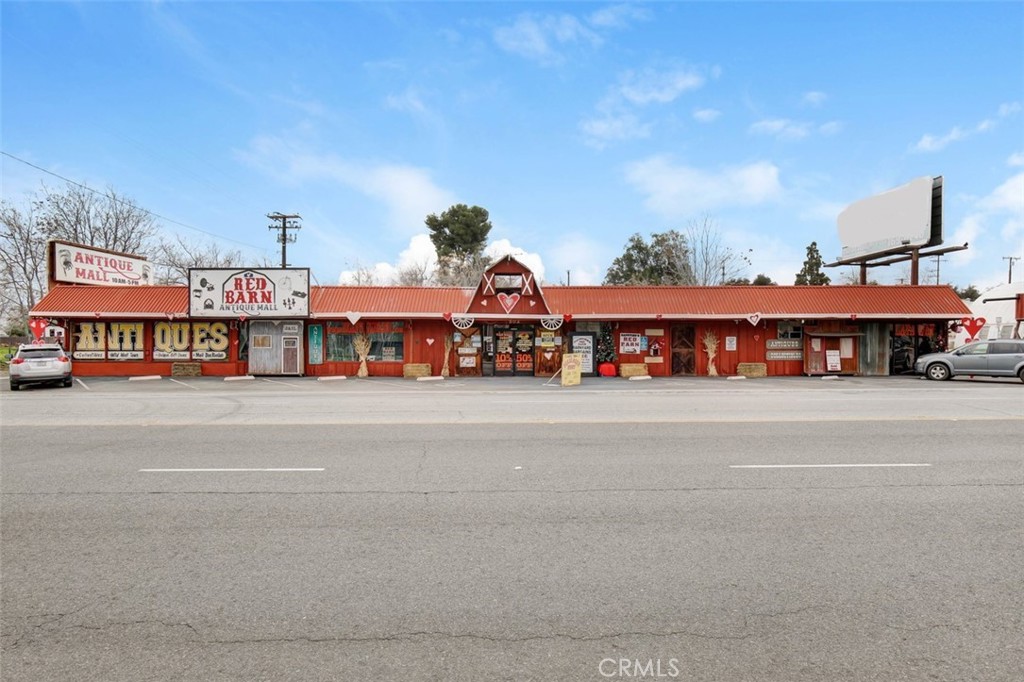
(776, 529)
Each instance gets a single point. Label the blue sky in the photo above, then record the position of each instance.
(575, 124)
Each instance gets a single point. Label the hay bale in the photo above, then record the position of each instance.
(752, 369)
(633, 369)
(415, 370)
(186, 369)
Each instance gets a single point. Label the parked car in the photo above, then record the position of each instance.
(39, 363)
(1000, 358)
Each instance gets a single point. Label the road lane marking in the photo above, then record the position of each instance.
(224, 470)
(184, 384)
(822, 466)
(283, 383)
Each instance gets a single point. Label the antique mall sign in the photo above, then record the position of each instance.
(249, 292)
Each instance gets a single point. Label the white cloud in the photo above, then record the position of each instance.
(419, 254)
(1007, 198)
(814, 98)
(782, 128)
(540, 38)
(503, 247)
(616, 117)
(408, 101)
(407, 192)
(935, 143)
(579, 256)
(931, 143)
(1016, 159)
(659, 87)
(830, 128)
(676, 191)
(1001, 211)
(1008, 109)
(706, 115)
(614, 127)
(618, 16)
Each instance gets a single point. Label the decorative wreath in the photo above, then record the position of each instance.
(462, 322)
(551, 323)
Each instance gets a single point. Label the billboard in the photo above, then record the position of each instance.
(77, 264)
(909, 216)
(248, 292)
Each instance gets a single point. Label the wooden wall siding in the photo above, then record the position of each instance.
(655, 369)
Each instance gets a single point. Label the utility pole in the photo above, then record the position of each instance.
(1009, 278)
(288, 222)
(938, 264)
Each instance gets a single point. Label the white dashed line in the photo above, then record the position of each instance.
(821, 466)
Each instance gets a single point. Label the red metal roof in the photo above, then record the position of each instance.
(396, 301)
(595, 302)
(78, 300)
(769, 301)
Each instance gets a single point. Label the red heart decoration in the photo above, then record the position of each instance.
(508, 301)
(447, 316)
(972, 325)
(567, 317)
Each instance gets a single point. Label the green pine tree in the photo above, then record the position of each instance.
(811, 272)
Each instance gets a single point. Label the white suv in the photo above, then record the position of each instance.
(39, 363)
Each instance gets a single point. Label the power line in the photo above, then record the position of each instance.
(148, 212)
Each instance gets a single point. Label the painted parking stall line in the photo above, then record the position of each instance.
(232, 470)
(826, 466)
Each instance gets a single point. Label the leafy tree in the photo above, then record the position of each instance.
(763, 281)
(695, 256)
(970, 292)
(737, 282)
(459, 236)
(461, 231)
(811, 272)
(665, 260)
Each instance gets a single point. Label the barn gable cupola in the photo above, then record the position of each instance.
(508, 290)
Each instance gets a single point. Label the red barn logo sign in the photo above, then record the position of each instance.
(250, 293)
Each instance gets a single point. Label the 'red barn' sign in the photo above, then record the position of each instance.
(249, 292)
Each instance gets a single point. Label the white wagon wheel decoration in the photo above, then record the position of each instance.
(551, 323)
(462, 322)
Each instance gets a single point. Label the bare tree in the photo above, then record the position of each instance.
(107, 221)
(710, 260)
(414, 275)
(360, 276)
(22, 261)
(174, 258)
(465, 272)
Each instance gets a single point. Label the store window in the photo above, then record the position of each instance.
(341, 347)
(384, 347)
(387, 347)
(262, 341)
(788, 330)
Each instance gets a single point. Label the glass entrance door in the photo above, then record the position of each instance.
(513, 351)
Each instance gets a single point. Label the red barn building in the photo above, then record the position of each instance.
(508, 325)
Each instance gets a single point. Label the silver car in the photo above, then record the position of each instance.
(1000, 358)
(39, 363)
